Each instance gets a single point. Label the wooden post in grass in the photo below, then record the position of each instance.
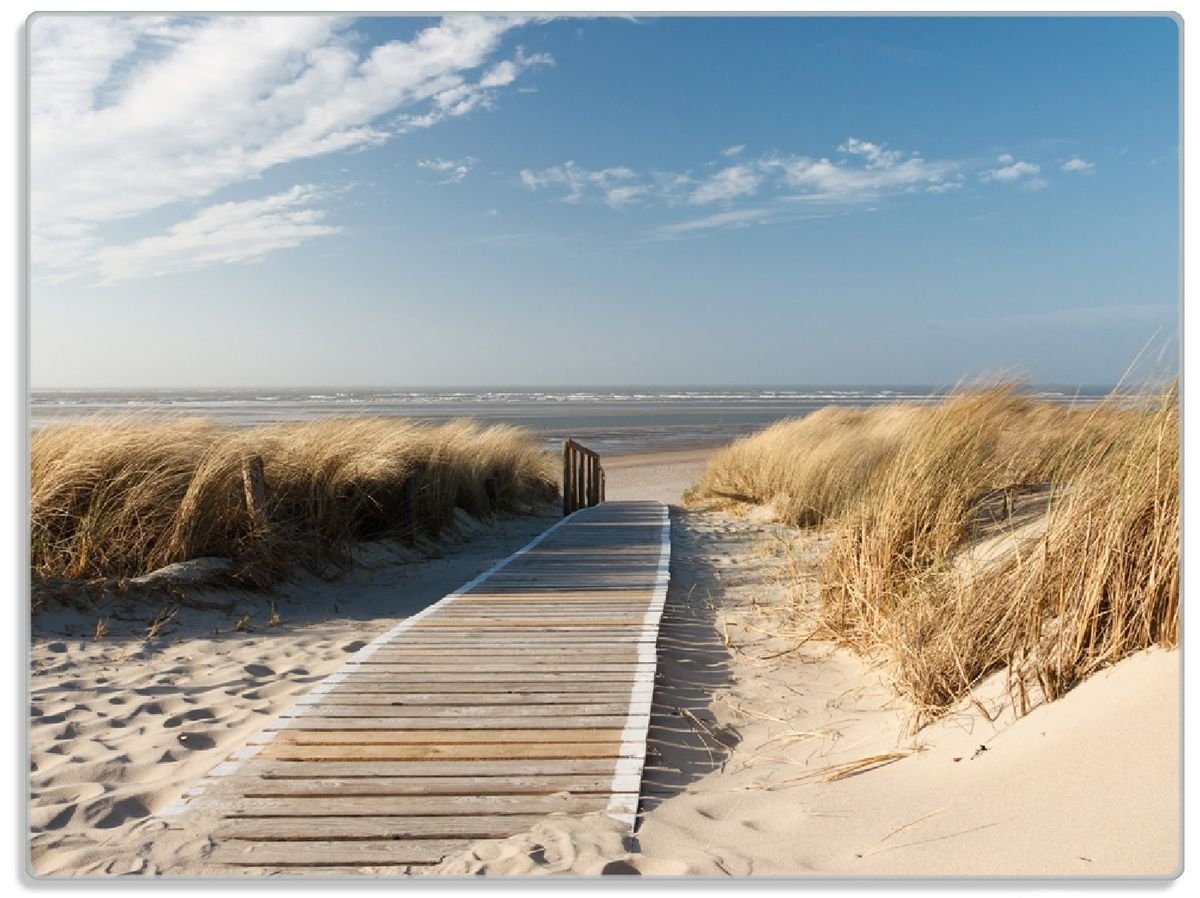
(254, 483)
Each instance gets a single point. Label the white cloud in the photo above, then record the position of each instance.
(876, 155)
(736, 218)
(1010, 170)
(884, 171)
(1076, 164)
(577, 180)
(735, 150)
(130, 114)
(727, 184)
(622, 196)
(220, 234)
(455, 171)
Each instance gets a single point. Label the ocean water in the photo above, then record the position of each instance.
(610, 420)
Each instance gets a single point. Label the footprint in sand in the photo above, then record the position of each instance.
(258, 670)
(118, 812)
(196, 741)
(353, 646)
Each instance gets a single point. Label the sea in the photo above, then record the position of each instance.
(610, 420)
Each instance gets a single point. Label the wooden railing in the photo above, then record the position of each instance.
(583, 477)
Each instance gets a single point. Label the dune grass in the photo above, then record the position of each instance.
(116, 498)
(906, 490)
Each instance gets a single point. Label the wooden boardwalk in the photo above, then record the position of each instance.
(524, 693)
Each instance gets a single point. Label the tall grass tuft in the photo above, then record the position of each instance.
(113, 498)
(1080, 508)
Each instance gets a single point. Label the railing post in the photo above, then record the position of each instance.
(566, 484)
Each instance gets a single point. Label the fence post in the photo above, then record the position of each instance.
(254, 483)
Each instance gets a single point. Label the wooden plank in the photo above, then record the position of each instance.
(487, 727)
(505, 687)
(615, 708)
(319, 807)
(293, 829)
(450, 701)
(556, 677)
(431, 785)
(450, 622)
(506, 653)
(269, 768)
(504, 751)
(445, 737)
(544, 667)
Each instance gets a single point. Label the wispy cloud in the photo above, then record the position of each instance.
(736, 218)
(220, 234)
(131, 114)
(612, 184)
(1082, 166)
(728, 184)
(453, 171)
(735, 150)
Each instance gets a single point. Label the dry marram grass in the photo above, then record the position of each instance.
(986, 530)
(113, 498)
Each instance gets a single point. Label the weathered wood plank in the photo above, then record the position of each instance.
(293, 829)
(269, 768)
(431, 785)
(474, 665)
(462, 699)
(426, 678)
(486, 727)
(444, 737)
(506, 687)
(318, 808)
(503, 751)
(520, 711)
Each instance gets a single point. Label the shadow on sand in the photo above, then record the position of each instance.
(685, 742)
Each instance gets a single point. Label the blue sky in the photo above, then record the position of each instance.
(316, 201)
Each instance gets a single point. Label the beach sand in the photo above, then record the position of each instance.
(753, 727)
